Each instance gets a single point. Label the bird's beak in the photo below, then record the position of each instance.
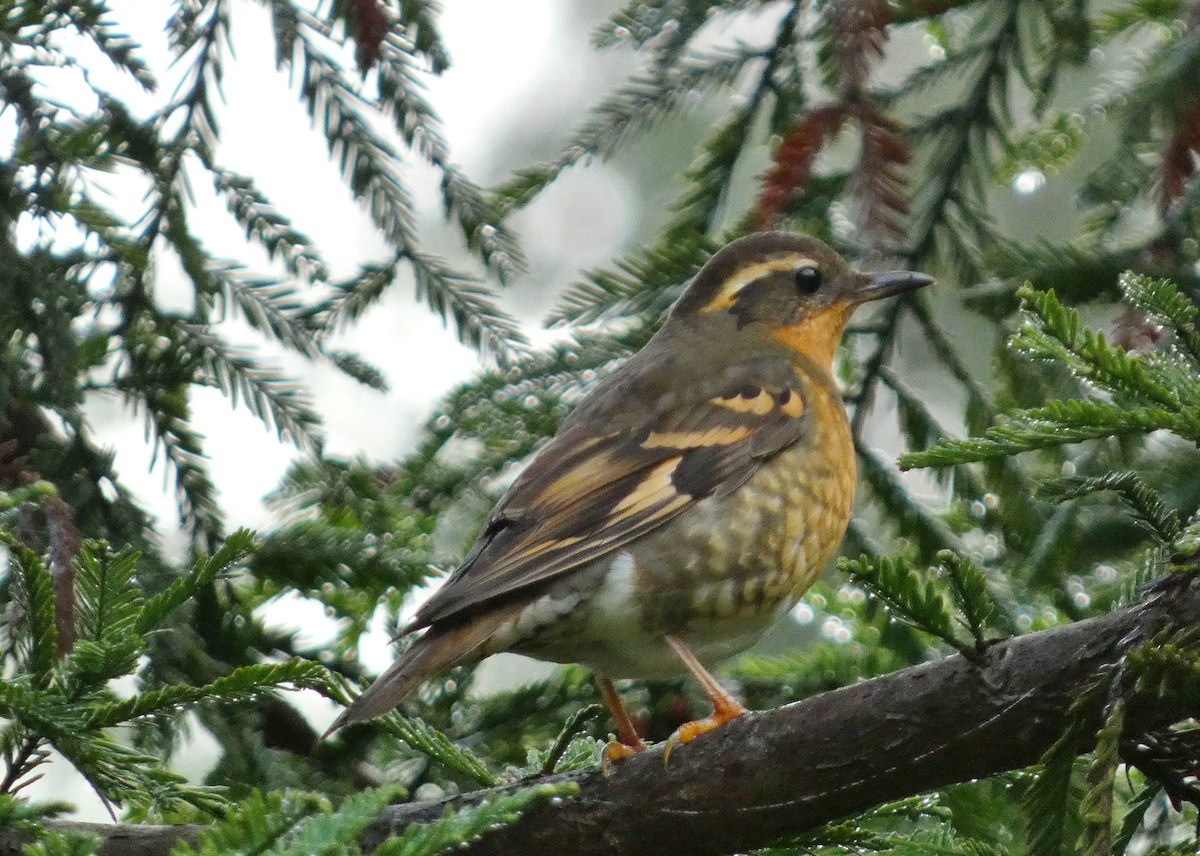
(890, 282)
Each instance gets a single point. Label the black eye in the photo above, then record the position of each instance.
(808, 279)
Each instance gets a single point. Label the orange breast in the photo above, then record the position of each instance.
(814, 484)
(739, 557)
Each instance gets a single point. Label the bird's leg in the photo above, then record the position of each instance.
(628, 742)
(725, 707)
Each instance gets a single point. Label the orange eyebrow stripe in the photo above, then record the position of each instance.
(696, 439)
(759, 405)
(742, 277)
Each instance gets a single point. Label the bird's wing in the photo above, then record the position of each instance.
(591, 491)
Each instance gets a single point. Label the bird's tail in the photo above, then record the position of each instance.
(439, 649)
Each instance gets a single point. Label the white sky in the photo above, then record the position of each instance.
(504, 50)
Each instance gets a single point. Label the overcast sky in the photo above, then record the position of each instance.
(510, 53)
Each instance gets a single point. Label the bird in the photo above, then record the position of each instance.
(685, 504)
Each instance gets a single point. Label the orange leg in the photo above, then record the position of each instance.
(629, 741)
(725, 707)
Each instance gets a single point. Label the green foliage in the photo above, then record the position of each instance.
(35, 645)
(420, 736)
(26, 817)
(471, 823)
(263, 821)
(908, 827)
(920, 601)
(336, 831)
(1096, 806)
(569, 753)
(107, 609)
(1134, 818)
(1142, 393)
(634, 109)
(524, 726)
(63, 699)
(636, 288)
(1170, 668)
(824, 666)
(58, 843)
(204, 573)
(118, 339)
(1048, 149)
(1057, 423)
(968, 588)
(1130, 394)
(912, 599)
(1146, 504)
(1046, 801)
(239, 685)
(912, 519)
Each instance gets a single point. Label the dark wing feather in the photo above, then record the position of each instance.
(591, 491)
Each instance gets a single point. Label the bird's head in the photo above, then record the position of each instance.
(792, 287)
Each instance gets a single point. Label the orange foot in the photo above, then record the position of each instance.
(630, 743)
(725, 709)
(617, 751)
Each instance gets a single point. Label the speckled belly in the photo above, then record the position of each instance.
(716, 576)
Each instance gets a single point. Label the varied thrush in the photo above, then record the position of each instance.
(687, 502)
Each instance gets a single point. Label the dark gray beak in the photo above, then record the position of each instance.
(891, 282)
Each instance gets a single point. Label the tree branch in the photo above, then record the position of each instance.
(784, 771)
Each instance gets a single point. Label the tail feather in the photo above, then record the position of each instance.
(439, 649)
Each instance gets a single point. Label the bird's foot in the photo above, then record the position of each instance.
(726, 709)
(617, 751)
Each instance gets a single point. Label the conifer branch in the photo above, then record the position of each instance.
(711, 174)
(368, 163)
(794, 158)
(89, 316)
(635, 108)
(944, 210)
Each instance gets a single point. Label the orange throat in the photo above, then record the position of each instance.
(817, 336)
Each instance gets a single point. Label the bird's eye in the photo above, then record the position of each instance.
(808, 279)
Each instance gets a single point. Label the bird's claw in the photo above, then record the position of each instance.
(689, 731)
(617, 751)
